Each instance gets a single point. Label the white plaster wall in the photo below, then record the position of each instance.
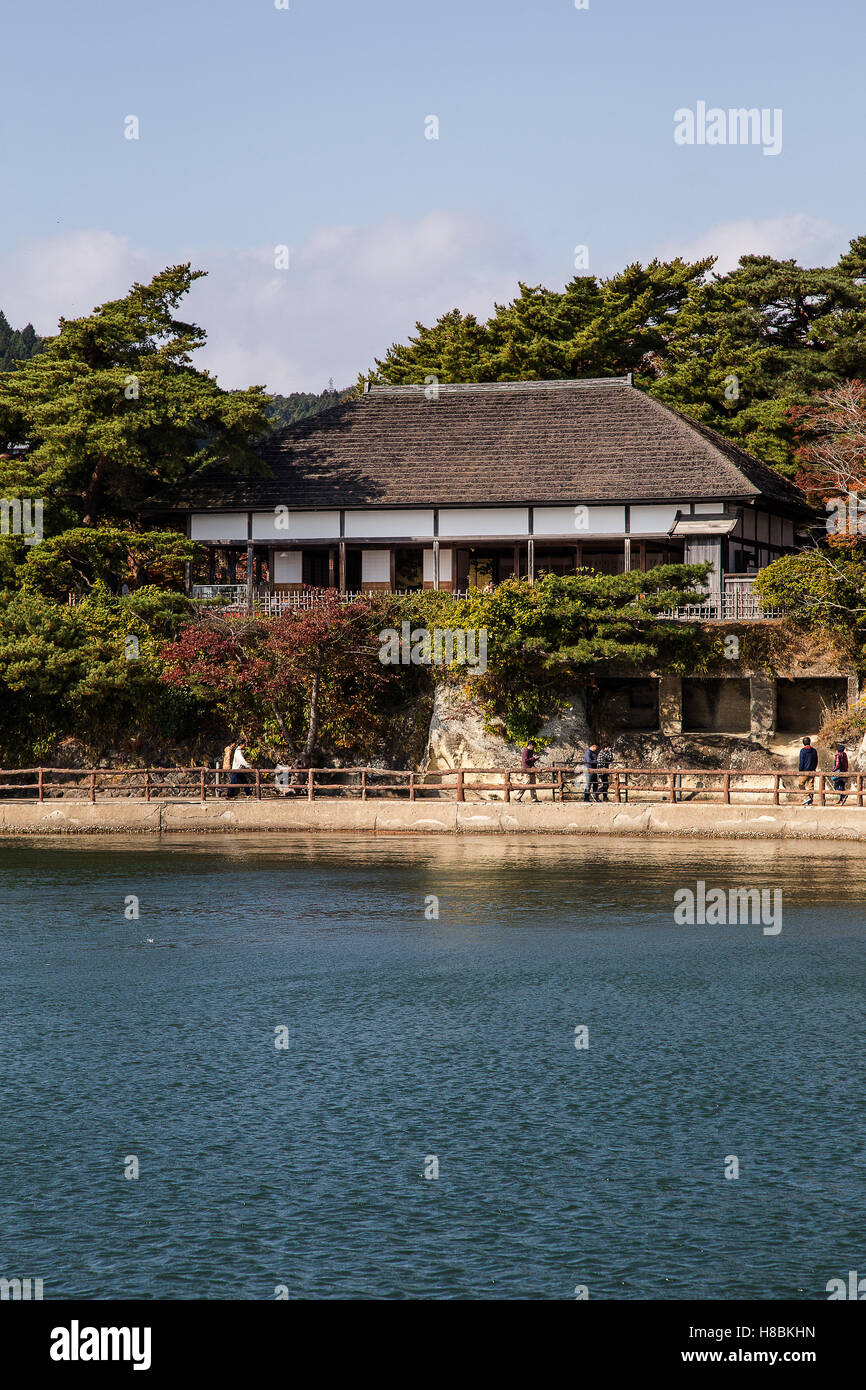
(219, 526)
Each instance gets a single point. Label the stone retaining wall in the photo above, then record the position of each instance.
(435, 818)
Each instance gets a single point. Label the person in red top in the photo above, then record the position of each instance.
(840, 764)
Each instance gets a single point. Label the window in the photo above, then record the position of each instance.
(353, 570)
(554, 561)
(605, 561)
(316, 568)
(408, 568)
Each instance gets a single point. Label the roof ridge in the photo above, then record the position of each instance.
(459, 387)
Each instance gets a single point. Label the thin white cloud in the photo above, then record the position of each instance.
(809, 240)
(67, 275)
(349, 292)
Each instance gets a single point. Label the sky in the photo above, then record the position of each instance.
(308, 128)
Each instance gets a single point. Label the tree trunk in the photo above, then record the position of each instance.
(281, 725)
(93, 495)
(313, 730)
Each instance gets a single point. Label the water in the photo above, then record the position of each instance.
(412, 1038)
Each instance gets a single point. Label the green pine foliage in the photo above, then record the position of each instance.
(548, 637)
(16, 345)
(112, 411)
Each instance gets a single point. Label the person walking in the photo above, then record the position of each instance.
(527, 762)
(590, 762)
(807, 765)
(237, 778)
(840, 764)
(605, 759)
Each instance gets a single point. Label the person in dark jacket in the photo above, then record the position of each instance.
(807, 765)
(527, 762)
(605, 759)
(840, 764)
(590, 762)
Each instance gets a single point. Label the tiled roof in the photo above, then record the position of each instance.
(538, 441)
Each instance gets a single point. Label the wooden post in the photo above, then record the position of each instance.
(202, 789)
(363, 784)
(411, 786)
(258, 784)
(460, 784)
(92, 788)
(821, 782)
(310, 785)
(859, 788)
(727, 786)
(672, 791)
(559, 782)
(616, 786)
(775, 788)
(41, 797)
(506, 785)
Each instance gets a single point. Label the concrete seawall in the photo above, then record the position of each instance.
(129, 816)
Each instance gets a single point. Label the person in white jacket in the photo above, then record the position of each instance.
(237, 778)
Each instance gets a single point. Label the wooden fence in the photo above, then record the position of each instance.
(460, 784)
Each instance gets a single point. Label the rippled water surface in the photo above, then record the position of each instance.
(412, 1037)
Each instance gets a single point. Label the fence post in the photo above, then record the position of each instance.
(775, 788)
(559, 783)
(41, 797)
(727, 788)
(616, 786)
(821, 789)
(506, 785)
(460, 784)
(859, 788)
(672, 791)
(147, 784)
(310, 785)
(411, 786)
(93, 788)
(202, 788)
(258, 784)
(363, 784)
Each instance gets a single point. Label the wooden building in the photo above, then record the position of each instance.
(457, 486)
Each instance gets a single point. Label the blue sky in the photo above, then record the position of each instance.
(306, 127)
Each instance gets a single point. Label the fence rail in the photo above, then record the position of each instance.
(558, 783)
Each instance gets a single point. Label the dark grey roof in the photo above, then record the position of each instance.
(533, 441)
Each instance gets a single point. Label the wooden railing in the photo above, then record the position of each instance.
(557, 783)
